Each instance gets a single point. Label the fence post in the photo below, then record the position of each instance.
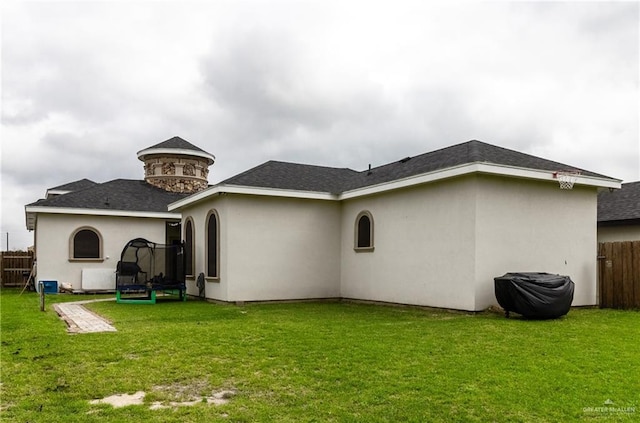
(41, 286)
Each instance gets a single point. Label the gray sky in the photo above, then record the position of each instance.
(85, 85)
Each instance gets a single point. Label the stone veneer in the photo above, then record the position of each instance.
(177, 173)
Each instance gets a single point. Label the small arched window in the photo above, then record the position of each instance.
(213, 244)
(364, 232)
(188, 247)
(86, 244)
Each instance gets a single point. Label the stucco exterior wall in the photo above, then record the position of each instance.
(527, 226)
(442, 244)
(439, 244)
(619, 233)
(53, 238)
(270, 248)
(214, 288)
(424, 246)
(281, 248)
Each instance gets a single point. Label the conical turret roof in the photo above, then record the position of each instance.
(175, 145)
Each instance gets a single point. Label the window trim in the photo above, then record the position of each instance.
(216, 278)
(371, 246)
(187, 221)
(72, 252)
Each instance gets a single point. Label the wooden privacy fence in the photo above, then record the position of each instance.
(619, 274)
(13, 264)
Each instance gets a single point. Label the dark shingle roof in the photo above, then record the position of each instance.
(621, 205)
(294, 176)
(177, 143)
(119, 194)
(335, 180)
(75, 186)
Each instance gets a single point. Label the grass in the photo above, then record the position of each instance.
(321, 362)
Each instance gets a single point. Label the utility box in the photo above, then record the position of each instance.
(48, 287)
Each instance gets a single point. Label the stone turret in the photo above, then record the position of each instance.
(176, 165)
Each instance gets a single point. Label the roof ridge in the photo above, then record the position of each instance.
(62, 186)
(311, 177)
(311, 165)
(427, 153)
(246, 172)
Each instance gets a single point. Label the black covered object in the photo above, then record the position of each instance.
(534, 295)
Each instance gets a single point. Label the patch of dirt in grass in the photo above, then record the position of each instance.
(121, 400)
(217, 398)
(179, 394)
(182, 391)
(172, 396)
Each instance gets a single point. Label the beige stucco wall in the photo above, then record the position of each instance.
(619, 233)
(198, 213)
(424, 246)
(526, 226)
(442, 244)
(438, 244)
(52, 240)
(270, 248)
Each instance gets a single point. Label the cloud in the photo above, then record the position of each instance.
(88, 84)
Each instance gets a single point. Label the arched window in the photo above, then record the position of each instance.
(188, 247)
(213, 244)
(86, 244)
(364, 232)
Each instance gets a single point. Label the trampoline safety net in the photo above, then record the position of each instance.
(145, 265)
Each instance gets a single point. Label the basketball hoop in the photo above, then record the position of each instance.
(566, 178)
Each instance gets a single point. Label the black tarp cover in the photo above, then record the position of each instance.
(535, 295)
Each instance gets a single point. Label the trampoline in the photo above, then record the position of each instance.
(146, 268)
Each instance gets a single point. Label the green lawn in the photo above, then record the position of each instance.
(319, 362)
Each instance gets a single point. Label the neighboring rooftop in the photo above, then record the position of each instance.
(620, 206)
(283, 175)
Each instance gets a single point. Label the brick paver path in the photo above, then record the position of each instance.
(81, 320)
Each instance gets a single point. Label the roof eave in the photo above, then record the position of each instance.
(477, 167)
(32, 211)
(142, 154)
(194, 198)
(629, 221)
(249, 190)
(56, 192)
(30, 219)
(423, 178)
